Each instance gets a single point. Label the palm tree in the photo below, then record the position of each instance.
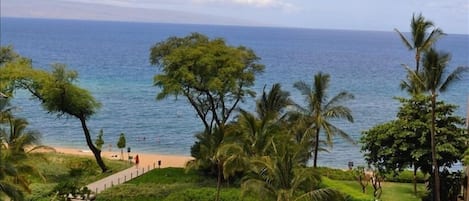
(7, 170)
(320, 110)
(421, 40)
(19, 140)
(17, 144)
(432, 80)
(206, 159)
(257, 130)
(271, 105)
(8, 186)
(280, 176)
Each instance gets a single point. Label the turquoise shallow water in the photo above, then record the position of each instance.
(112, 59)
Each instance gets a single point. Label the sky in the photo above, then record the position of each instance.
(381, 15)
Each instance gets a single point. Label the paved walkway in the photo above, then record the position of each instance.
(120, 177)
(147, 163)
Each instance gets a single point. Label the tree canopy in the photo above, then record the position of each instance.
(405, 142)
(212, 75)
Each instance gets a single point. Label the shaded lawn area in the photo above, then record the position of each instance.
(391, 191)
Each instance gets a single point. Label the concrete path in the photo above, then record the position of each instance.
(119, 178)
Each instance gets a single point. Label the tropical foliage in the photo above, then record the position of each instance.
(316, 116)
(421, 39)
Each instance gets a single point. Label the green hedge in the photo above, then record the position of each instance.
(406, 176)
(336, 174)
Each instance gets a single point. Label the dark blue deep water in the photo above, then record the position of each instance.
(112, 59)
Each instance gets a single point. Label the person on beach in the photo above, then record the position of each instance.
(136, 160)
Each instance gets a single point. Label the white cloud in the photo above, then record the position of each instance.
(132, 3)
(254, 3)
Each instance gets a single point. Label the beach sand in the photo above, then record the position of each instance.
(145, 159)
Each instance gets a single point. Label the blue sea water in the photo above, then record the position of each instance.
(112, 59)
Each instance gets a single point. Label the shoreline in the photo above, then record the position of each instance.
(145, 159)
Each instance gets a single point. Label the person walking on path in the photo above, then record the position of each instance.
(136, 160)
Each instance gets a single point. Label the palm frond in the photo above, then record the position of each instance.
(455, 75)
(339, 98)
(303, 87)
(324, 194)
(404, 40)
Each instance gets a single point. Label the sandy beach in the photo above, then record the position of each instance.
(145, 159)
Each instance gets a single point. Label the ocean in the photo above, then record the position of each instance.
(112, 59)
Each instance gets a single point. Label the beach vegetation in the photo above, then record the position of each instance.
(121, 143)
(8, 54)
(99, 140)
(434, 79)
(56, 92)
(405, 142)
(12, 180)
(316, 116)
(282, 176)
(214, 77)
(65, 173)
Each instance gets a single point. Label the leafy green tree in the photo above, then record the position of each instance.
(8, 54)
(57, 93)
(421, 40)
(320, 111)
(214, 78)
(99, 140)
(432, 80)
(405, 142)
(121, 143)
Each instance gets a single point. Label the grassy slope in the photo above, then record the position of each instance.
(55, 167)
(160, 184)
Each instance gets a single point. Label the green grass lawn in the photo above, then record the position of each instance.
(173, 184)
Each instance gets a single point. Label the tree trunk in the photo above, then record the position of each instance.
(415, 179)
(466, 190)
(219, 167)
(89, 142)
(417, 60)
(316, 148)
(436, 169)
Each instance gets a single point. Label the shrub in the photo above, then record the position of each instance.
(405, 176)
(336, 174)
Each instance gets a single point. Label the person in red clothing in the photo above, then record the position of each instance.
(136, 160)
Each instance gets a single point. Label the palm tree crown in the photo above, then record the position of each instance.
(320, 110)
(421, 40)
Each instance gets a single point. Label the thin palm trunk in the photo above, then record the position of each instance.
(417, 60)
(316, 147)
(89, 142)
(436, 171)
